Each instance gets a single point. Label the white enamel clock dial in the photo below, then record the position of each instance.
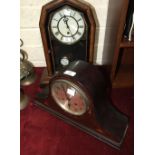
(64, 61)
(69, 97)
(67, 25)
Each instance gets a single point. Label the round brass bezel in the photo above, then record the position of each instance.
(78, 90)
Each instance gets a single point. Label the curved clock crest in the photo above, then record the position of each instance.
(68, 34)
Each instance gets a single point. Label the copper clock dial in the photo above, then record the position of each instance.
(69, 97)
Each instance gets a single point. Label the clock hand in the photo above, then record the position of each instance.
(69, 29)
(66, 22)
(67, 97)
(70, 32)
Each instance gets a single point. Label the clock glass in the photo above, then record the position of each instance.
(64, 61)
(69, 97)
(67, 25)
(68, 34)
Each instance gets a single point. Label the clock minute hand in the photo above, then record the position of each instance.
(66, 22)
(67, 97)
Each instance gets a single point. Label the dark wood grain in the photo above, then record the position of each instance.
(126, 44)
(102, 120)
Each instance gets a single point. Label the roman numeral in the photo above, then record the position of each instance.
(61, 15)
(61, 37)
(74, 13)
(73, 38)
(55, 19)
(54, 26)
(56, 33)
(79, 19)
(81, 26)
(79, 33)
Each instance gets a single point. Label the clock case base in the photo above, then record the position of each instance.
(108, 133)
(45, 78)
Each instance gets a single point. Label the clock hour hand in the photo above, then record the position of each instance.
(67, 97)
(70, 32)
(66, 22)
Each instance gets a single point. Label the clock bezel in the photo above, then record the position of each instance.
(50, 21)
(82, 93)
(51, 6)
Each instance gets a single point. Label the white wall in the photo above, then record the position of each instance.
(107, 11)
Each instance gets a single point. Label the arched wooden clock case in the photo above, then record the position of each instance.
(91, 111)
(55, 50)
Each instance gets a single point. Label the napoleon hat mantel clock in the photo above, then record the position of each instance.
(68, 33)
(78, 98)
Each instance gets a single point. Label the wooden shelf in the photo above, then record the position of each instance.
(124, 77)
(125, 43)
(122, 70)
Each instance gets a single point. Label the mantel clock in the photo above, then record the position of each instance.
(79, 98)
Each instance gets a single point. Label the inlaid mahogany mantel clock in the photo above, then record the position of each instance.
(68, 33)
(77, 97)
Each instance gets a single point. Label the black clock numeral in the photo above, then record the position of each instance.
(61, 38)
(61, 15)
(73, 38)
(56, 19)
(54, 26)
(79, 19)
(74, 13)
(56, 33)
(79, 33)
(81, 26)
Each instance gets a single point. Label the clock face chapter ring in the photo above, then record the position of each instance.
(64, 28)
(67, 25)
(69, 97)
